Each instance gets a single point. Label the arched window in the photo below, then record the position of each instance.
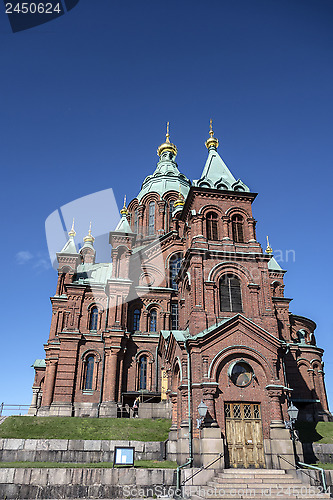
(175, 262)
(153, 320)
(93, 324)
(151, 218)
(211, 226)
(135, 221)
(230, 294)
(143, 372)
(174, 316)
(88, 379)
(136, 320)
(237, 228)
(170, 210)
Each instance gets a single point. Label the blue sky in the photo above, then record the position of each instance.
(84, 103)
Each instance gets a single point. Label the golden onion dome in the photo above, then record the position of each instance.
(212, 142)
(167, 145)
(89, 238)
(180, 202)
(269, 249)
(72, 232)
(124, 210)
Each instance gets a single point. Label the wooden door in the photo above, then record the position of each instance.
(244, 435)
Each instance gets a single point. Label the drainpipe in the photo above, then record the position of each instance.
(156, 369)
(190, 450)
(103, 361)
(284, 370)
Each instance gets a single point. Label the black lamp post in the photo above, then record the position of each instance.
(293, 414)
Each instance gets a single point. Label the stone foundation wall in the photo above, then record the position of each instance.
(317, 452)
(85, 483)
(66, 450)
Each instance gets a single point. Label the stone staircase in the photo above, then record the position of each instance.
(261, 484)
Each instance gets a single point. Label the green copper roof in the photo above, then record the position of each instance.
(39, 363)
(216, 175)
(69, 247)
(166, 178)
(123, 226)
(93, 274)
(273, 265)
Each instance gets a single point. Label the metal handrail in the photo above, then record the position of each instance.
(203, 468)
(323, 478)
(11, 407)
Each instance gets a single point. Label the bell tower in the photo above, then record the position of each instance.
(224, 269)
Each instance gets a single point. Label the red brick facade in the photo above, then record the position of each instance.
(119, 335)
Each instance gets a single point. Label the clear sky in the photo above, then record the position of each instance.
(84, 102)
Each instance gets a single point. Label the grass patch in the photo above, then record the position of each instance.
(311, 432)
(326, 466)
(133, 429)
(143, 464)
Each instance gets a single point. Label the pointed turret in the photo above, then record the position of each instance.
(88, 251)
(166, 177)
(216, 174)
(70, 247)
(68, 259)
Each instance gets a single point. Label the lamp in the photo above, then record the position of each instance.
(293, 413)
(202, 410)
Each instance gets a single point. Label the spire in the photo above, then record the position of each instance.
(269, 250)
(72, 232)
(167, 145)
(212, 142)
(124, 210)
(216, 174)
(70, 247)
(89, 238)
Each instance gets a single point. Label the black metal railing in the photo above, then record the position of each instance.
(299, 466)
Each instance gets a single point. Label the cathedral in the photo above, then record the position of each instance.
(189, 312)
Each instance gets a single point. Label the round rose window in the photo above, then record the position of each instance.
(241, 374)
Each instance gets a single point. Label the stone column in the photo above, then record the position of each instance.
(225, 226)
(33, 407)
(49, 381)
(252, 230)
(110, 375)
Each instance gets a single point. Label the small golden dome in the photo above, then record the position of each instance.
(124, 210)
(72, 232)
(269, 250)
(180, 202)
(212, 141)
(89, 238)
(167, 145)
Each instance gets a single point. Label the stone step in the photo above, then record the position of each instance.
(225, 495)
(253, 471)
(256, 486)
(260, 480)
(260, 497)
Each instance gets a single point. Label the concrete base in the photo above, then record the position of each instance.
(208, 447)
(155, 410)
(108, 409)
(56, 410)
(85, 409)
(182, 444)
(279, 449)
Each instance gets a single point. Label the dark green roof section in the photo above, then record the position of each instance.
(39, 363)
